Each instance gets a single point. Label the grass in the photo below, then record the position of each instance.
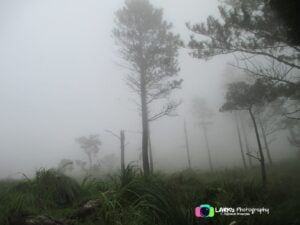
(162, 199)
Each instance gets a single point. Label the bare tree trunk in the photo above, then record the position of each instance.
(187, 146)
(145, 127)
(262, 158)
(246, 144)
(240, 140)
(150, 154)
(122, 140)
(265, 142)
(207, 148)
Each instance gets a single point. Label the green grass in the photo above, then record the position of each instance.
(162, 199)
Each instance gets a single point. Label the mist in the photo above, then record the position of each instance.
(60, 79)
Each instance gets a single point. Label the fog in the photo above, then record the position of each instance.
(60, 79)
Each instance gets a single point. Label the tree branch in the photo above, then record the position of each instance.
(253, 157)
(166, 111)
(112, 133)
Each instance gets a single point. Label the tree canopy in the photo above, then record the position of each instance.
(243, 96)
(250, 28)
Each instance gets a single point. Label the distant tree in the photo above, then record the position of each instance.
(231, 75)
(243, 96)
(204, 115)
(150, 53)
(90, 145)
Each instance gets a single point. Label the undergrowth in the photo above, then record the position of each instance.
(130, 198)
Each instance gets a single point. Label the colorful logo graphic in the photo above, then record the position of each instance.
(204, 210)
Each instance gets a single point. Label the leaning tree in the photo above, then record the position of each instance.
(149, 50)
(243, 96)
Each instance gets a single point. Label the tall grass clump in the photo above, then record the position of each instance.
(54, 187)
(49, 189)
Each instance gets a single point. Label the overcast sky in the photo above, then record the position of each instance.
(59, 80)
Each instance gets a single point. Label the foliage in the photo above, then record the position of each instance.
(49, 190)
(243, 96)
(246, 26)
(288, 11)
(263, 45)
(132, 199)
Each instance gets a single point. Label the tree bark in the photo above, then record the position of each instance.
(262, 158)
(150, 153)
(122, 140)
(145, 126)
(265, 142)
(240, 140)
(187, 146)
(207, 148)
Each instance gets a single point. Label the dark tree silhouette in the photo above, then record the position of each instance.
(149, 50)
